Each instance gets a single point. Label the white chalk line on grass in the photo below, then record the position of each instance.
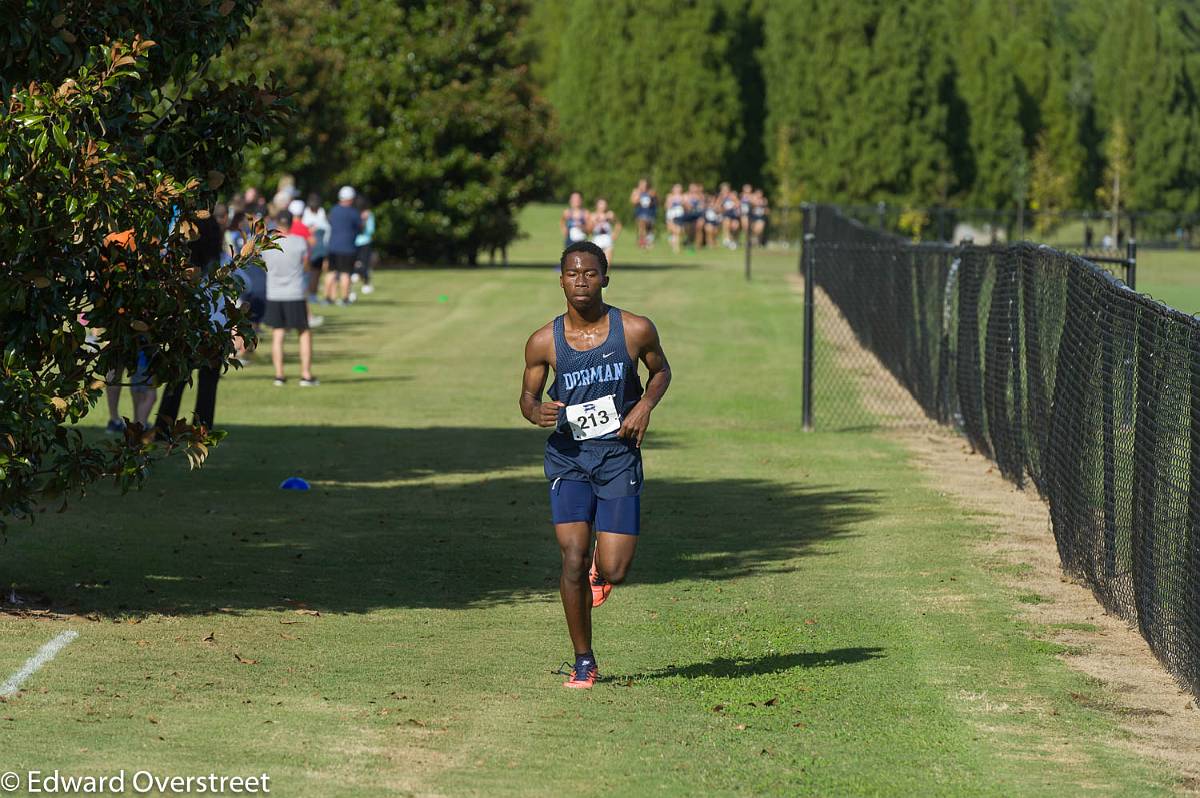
(34, 663)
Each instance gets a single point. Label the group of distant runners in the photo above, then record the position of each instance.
(693, 218)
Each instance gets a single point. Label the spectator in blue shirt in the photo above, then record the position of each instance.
(345, 223)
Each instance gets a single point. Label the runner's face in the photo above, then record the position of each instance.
(581, 280)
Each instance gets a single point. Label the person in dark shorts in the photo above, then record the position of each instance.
(345, 223)
(599, 414)
(287, 308)
(645, 210)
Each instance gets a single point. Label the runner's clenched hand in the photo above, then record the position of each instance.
(547, 414)
(635, 424)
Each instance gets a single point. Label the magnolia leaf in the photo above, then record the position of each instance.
(59, 403)
(40, 281)
(202, 214)
(225, 8)
(59, 20)
(248, 248)
(189, 229)
(215, 179)
(139, 325)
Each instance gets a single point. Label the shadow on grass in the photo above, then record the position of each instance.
(438, 518)
(733, 667)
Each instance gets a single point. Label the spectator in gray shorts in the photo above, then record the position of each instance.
(287, 308)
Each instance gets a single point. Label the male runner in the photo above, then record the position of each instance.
(593, 458)
(645, 210)
(574, 220)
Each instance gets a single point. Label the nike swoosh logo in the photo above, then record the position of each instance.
(633, 482)
(607, 354)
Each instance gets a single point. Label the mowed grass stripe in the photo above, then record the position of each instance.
(813, 569)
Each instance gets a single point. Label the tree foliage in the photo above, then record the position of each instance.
(112, 146)
(647, 88)
(427, 108)
(988, 103)
(856, 100)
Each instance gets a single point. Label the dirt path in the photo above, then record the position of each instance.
(1161, 718)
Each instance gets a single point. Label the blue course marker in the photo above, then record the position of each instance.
(294, 483)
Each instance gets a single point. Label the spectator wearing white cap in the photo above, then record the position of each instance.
(345, 223)
(299, 228)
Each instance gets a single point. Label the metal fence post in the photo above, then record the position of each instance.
(1131, 263)
(809, 255)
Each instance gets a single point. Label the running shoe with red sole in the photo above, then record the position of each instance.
(583, 677)
(600, 587)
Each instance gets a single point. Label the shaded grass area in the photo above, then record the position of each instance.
(804, 616)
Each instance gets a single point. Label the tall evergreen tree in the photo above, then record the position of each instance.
(989, 87)
(857, 105)
(646, 89)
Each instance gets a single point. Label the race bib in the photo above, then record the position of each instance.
(576, 234)
(645, 201)
(592, 419)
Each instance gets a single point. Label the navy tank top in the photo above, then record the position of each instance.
(588, 375)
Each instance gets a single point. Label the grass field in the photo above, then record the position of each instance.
(806, 615)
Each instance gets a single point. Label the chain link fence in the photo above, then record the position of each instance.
(1050, 366)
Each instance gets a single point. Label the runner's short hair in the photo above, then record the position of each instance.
(589, 248)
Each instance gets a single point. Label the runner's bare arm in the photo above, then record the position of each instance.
(537, 368)
(641, 332)
(562, 222)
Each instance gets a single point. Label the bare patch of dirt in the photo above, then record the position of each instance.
(1162, 719)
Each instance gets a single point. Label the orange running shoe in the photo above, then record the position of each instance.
(600, 587)
(583, 675)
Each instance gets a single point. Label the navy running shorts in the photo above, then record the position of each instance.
(574, 500)
(599, 482)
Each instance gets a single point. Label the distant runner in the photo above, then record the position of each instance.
(599, 414)
(674, 214)
(574, 221)
(645, 210)
(604, 227)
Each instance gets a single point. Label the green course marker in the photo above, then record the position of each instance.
(360, 369)
(443, 298)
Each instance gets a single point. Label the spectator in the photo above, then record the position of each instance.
(205, 255)
(286, 305)
(362, 263)
(345, 223)
(317, 222)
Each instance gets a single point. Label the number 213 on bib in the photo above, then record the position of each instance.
(592, 419)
